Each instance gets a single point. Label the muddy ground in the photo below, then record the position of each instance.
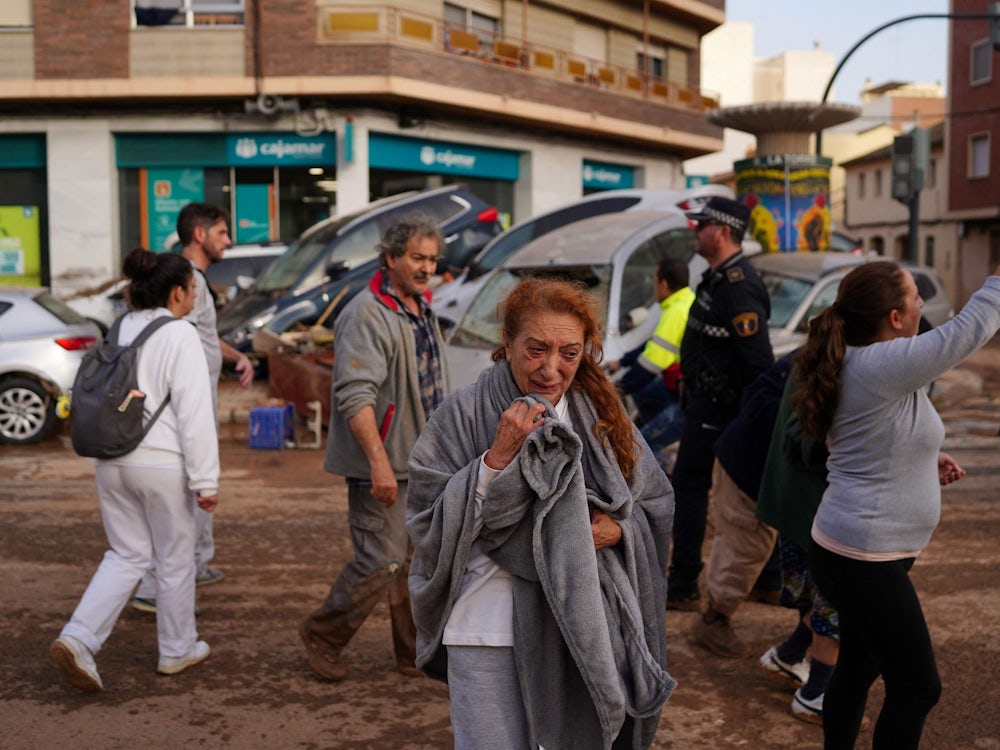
(281, 536)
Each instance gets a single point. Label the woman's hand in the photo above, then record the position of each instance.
(516, 423)
(948, 469)
(606, 531)
(207, 502)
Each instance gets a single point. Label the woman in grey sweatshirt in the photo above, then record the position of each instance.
(864, 373)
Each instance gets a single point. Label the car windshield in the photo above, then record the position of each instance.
(227, 270)
(301, 254)
(786, 295)
(521, 235)
(480, 326)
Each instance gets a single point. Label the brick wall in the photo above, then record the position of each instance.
(81, 38)
(974, 111)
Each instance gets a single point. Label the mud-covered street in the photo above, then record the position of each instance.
(281, 537)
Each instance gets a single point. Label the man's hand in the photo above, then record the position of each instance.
(384, 486)
(245, 369)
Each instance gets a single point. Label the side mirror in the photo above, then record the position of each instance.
(336, 268)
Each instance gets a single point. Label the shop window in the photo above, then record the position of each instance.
(979, 155)
(981, 54)
(189, 13)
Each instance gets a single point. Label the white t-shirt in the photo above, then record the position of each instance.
(483, 614)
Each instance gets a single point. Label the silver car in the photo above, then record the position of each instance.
(453, 298)
(802, 285)
(614, 254)
(41, 344)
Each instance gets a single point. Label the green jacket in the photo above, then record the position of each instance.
(794, 475)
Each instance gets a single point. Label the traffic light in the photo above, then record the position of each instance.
(910, 155)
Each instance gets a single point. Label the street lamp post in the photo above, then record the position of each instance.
(993, 16)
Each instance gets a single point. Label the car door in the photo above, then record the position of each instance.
(633, 307)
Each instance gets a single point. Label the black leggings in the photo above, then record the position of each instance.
(882, 631)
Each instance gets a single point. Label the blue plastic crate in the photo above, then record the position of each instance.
(272, 426)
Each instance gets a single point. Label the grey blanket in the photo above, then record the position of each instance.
(589, 628)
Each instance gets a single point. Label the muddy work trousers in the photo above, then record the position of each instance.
(380, 568)
(740, 547)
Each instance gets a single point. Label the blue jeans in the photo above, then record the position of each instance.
(660, 416)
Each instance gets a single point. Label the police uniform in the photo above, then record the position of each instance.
(725, 347)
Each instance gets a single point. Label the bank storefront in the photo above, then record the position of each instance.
(398, 163)
(276, 185)
(598, 176)
(24, 247)
(270, 182)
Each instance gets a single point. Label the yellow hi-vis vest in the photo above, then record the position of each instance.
(664, 348)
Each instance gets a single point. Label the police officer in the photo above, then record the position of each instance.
(725, 347)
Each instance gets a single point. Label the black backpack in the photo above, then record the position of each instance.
(106, 403)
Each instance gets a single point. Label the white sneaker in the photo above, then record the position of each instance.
(810, 711)
(795, 673)
(77, 663)
(175, 664)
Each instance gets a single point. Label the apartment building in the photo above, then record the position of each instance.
(973, 146)
(115, 114)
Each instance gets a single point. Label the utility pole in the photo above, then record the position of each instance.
(993, 16)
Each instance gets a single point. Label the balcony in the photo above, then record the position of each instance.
(380, 53)
(373, 24)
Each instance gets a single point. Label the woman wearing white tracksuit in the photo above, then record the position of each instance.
(146, 495)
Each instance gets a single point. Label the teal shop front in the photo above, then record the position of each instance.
(24, 257)
(275, 185)
(597, 175)
(398, 163)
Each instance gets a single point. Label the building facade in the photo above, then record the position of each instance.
(882, 224)
(973, 146)
(115, 114)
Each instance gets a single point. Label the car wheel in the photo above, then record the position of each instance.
(27, 411)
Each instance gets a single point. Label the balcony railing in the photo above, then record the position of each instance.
(374, 24)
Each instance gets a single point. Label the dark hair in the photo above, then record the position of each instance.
(396, 237)
(153, 276)
(533, 296)
(198, 215)
(865, 297)
(675, 272)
